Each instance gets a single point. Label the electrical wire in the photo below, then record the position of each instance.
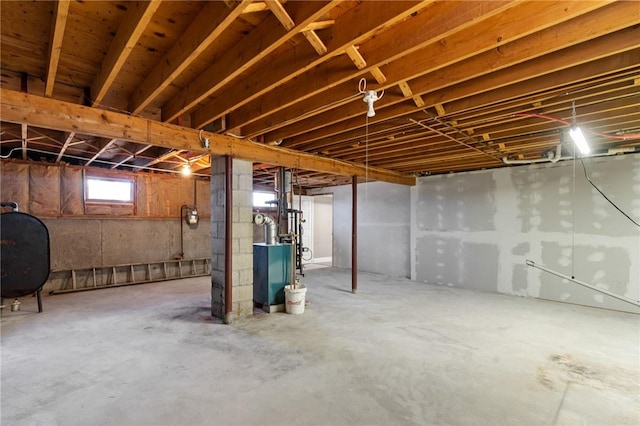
(310, 254)
(605, 197)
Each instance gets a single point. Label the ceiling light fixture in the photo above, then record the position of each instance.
(370, 96)
(186, 170)
(576, 134)
(579, 140)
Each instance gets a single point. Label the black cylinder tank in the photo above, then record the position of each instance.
(24, 254)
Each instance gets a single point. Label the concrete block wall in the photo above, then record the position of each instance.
(476, 230)
(383, 228)
(242, 233)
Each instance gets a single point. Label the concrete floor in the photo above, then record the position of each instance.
(396, 353)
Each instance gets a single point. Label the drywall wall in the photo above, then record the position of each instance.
(476, 230)
(383, 228)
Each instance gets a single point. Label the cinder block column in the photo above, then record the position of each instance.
(242, 233)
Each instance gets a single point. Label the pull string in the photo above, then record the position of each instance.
(573, 207)
(366, 158)
(573, 217)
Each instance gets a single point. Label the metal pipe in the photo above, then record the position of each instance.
(12, 204)
(181, 234)
(292, 280)
(269, 224)
(354, 234)
(228, 235)
(566, 277)
(557, 157)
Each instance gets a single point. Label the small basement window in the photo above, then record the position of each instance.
(109, 190)
(261, 199)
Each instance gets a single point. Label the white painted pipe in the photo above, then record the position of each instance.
(554, 158)
(551, 158)
(566, 277)
(269, 227)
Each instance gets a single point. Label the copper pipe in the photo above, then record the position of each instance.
(354, 235)
(228, 236)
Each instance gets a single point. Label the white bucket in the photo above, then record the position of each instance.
(294, 299)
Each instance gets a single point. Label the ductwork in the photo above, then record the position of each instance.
(269, 223)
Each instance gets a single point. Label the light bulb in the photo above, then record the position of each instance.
(371, 112)
(186, 170)
(579, 140)
(370, 97)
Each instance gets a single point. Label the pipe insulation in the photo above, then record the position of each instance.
(566, 277)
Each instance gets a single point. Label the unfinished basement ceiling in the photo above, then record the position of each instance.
(466, 84)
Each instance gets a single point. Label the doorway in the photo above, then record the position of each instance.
(317, 228)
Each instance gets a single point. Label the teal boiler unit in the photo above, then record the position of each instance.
(271, 272)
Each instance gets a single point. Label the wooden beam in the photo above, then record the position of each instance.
(138, 152)
(356, 57)
(478, 93)
(163, 157)
(315, 42)
(417, 99)
(428, 24)
(25, 134)
(16, 107)
(258, 6)
(489, 103)
(559, 78)
(320, 25)
(504, 27)
(214, 19)
(405, 89)
(378, 75)
(131, 28)
(350, 28)
(281, 13)
(608, 31)
(101, 151)
(262, 41)
(65, 145)
(60, 14)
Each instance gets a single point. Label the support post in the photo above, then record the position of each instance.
(354, 235)
(228, 235)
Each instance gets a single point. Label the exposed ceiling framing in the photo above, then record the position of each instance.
(129, 85)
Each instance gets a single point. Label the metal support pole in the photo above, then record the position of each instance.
(566, 277)
(228, 237)
(181, 234)
(354, 235)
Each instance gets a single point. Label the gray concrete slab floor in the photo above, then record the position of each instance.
(398, 352)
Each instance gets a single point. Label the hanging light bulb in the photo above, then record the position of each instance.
(579, 140)
(370, 97)
(186, 170)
